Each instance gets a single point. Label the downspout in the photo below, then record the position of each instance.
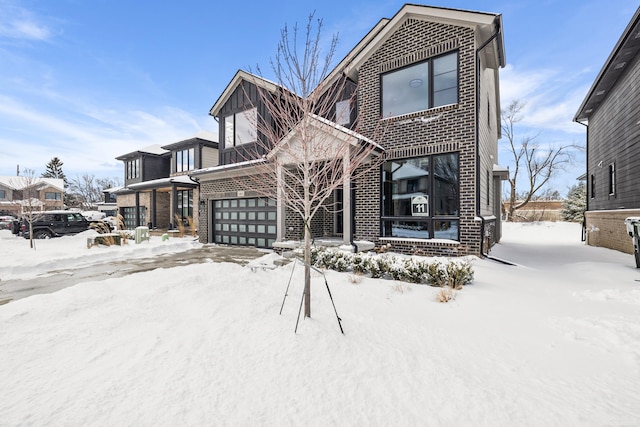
(478, 214)
(583, 237)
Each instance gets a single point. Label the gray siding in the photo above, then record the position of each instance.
(614, 138)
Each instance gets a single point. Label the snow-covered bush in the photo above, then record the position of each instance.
(437, 272)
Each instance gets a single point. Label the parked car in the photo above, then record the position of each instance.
(54, 223)
(6, 222)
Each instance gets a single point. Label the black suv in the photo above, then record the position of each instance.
(54, 223)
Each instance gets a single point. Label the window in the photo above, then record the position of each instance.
(185, 204)
(185, 160)
(343, 112)
(133, 168)
(418, 87)
(3, 194)
(420, 197)
(52, 196)
(612, 179)
(240, 128)
(593, 186)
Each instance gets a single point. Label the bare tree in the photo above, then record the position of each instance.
(305, 154)
(88, 189)
(30, 201)
(537, 163)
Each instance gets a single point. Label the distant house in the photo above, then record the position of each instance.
(432, 75)
(611, 113)
(157, 191)
(20, 194)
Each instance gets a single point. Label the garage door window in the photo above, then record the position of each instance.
(248, 222)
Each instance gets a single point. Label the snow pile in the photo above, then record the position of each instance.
(552, 341)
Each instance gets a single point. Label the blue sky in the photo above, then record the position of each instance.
(89, 80)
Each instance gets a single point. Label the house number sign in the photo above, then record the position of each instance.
(420, 206)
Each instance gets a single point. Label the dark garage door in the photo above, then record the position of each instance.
(247, 222)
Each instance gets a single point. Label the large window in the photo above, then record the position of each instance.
(52, 196)
(418, 87)
(185, 160)
(240, 128)
(420, 197)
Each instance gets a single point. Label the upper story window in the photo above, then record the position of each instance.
(240, 128)
(612, 179)
(3, 194)
(343, 112)
(592, 182)
(185, 160)
(52, 196)
(133, 168)
(428, 84)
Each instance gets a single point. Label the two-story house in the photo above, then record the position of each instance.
(158, 191)
(611, 113)
(21, 194)
(431, 75)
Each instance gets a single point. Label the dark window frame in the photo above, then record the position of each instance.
(612, 179)
(433, 218)
(234, 124)
(431, 80)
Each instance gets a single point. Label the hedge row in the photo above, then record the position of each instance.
(435, 272)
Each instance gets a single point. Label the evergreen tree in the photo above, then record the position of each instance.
(54, 170)
(576, 203)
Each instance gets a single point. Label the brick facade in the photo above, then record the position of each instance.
(447, 129)
(607, 229)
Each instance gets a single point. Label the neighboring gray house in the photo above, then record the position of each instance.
(611, 113)
(158, 191)
(433, 74)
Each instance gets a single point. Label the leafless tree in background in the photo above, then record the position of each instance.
(30, 203)
(538, 164)
(87, 189)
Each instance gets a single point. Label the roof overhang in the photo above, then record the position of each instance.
(622, 55)
(180, 181)
(483, 23)
(330, 135)
(235, 82)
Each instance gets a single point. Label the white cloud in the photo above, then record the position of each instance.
(87, 140)
(552, 97)
(19, 23)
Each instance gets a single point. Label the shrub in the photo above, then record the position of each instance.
(445, 295)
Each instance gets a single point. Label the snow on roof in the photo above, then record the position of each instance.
(20, 182)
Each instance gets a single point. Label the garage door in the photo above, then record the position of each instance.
(246, 222)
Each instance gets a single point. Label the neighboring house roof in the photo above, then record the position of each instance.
(20, 182)
(621, 56)
(207, 138)
(155, 149)
(235, 82)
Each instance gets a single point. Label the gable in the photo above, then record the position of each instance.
(486, 26)
(235, 88)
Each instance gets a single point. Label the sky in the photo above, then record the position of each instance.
(87, 81)
(551, 341)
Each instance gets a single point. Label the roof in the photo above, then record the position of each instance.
(336, 131)
(235, 82)
(625, 50)
(155, 149)
(183, 180)
(486, 24)
(207, 138)
(20, 182)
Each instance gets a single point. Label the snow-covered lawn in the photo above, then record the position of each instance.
(554, 341)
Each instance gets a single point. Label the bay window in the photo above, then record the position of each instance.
(420, 197)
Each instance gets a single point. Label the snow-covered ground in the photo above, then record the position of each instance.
(553, 341)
